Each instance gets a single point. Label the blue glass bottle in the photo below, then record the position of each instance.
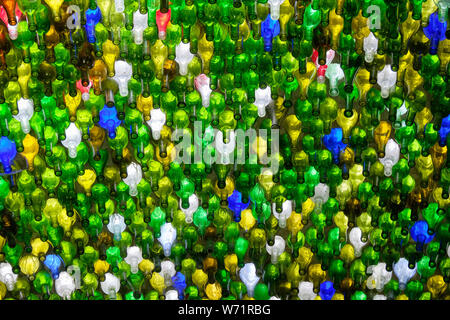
(326, 290)
(419, 233)
(435, 31)
(236, 205)
(333, 142)
(109, 120)
(444, 131)
(8, 152)
(93, 16)
(269, 30)
(54, 263)
(179, 283)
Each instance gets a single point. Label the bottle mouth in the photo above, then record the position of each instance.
(369, 56)
(334, 92)
(85, 96)
(156, 133)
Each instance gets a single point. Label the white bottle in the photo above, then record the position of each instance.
(403, 272)
(334, 74)
(64, 285)
(167, 272)
(379, 276)
(248, 276)
(386, 79)
(140, 23)
(26, 111)
(167, 238)
(73, 139)
(156, 122)
(370, 47)
(134, 176)
(321, 195)
(7, 276)
(225, 150)
(391, 157)
(263, 97)
(355, 240)
(116, 225)
(193, 206)
(123, 71)
(183, 57)
(306, 290)
(110, 285)
(284, 214)
(277, 249)
(172, 295)
(133, 258)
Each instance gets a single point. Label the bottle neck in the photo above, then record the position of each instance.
(164, 6)
(92, 4)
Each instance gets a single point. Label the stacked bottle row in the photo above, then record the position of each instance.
(345, 196)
